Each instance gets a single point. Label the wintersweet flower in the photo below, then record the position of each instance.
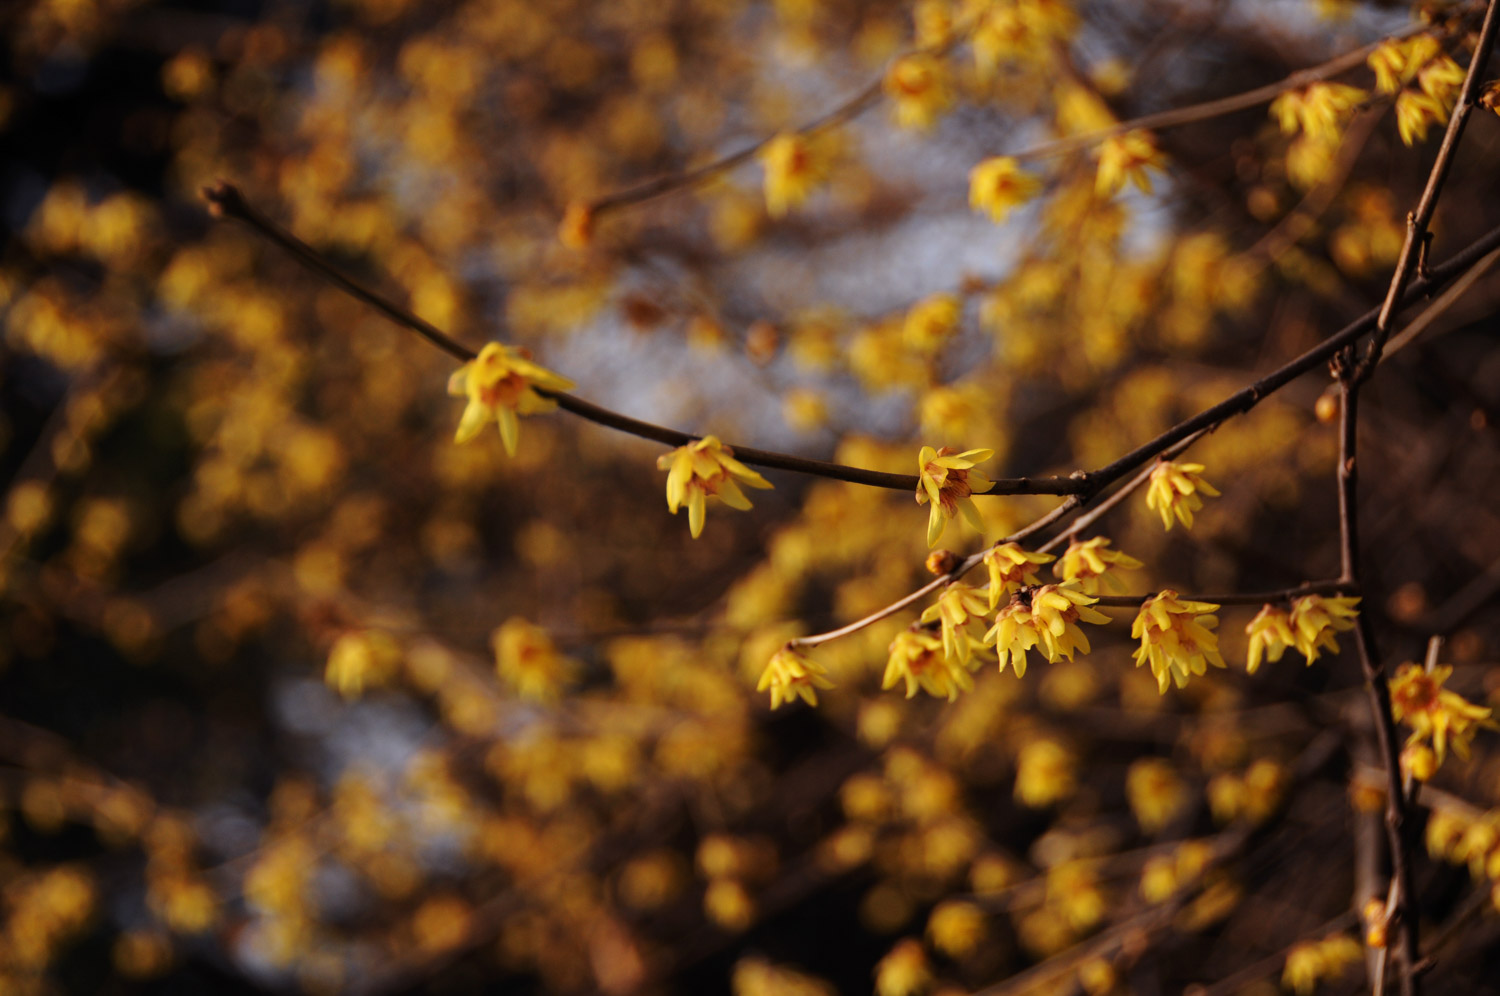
(1415, 113)
(917, 657)
(919, 86)
(1396, 63)
(998, 184)
(1319, 110)
(528, 662)
(1177, 638)
(1056, 609)
(1173, 491)
(1047, 619)
(1270, 634)
(931, 322)
(959, 607)
(792, 675)
(1441, 78)
(795, 165)
(500, 383)
(947, 479)
(1091, 561)
(1435, 714)
(1125, 158)
(1012, 568)
(704, 469)
(1315, 619)
(1015, 632)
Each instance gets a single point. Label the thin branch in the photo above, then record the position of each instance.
(1417, 234)
(227, 201)
(1178, 116)
(964, 567)
(1330, 587)
(1403, 895)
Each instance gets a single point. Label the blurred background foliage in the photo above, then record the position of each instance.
(296, 694)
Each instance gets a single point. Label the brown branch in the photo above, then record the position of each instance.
(227, 201)
(1398, 837)
(1178, 116)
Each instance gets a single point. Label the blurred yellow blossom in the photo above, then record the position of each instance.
(500, 383)
(1046, 771)
(706, 469)
(917, 657)
(998, 184)
(795, 165)
(1319, 110)
(1155, 793)
(1396, 63)
(791, 674)
(1177, 638)
(1091, 561)
(1173, 491)
(1126, 158)
(359, 660)
(1416, 112)
(1435, 714)
(1011, 568)
(956, 927)
(528, 662)
(1270, 634)
(947, 479)
(1311, 962)
(903, 971)
(931, 322)
(920, 87)
(1315, 619)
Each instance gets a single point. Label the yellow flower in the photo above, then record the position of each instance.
(1315, 619)
(931, 322)
(527, 661)
(1046, 619)
(1312, 961)
(706, 469)
(1155, 793)
(795, 166)
(956, 927)
(1014, 633)
(1056, 609)
(1320, 110)
(903, 971)
(958, 607)
(1089, 562)
(1176, 638)
(1415, 113)
(919, 85)
(790, 675)
(1270, 634)
(1045, 772)
(1419, 700)
(917, 657)
(947, 479)
(998, 184)
(1126, 158)
(1441, 78)
(1011, 568)
(1173, 491)
(1396, 63)
(360, 660)
(500, 383)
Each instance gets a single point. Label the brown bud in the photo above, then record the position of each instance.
(942, 562)
(1327, 408)
(577, 228)
(761, 340)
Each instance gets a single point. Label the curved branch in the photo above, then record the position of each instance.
(225, 200)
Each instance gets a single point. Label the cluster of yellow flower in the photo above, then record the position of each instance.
(1311, 962)
(1308, 628)
(1421, 59)
(1464, 837)
(1438, 718)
